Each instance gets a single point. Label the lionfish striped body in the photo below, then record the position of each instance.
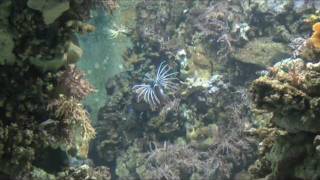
(154, 92)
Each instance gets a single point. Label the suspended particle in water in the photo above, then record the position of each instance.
(96, 66)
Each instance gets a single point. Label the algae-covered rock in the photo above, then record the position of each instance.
(50, 9)
(199, 65)
(48, 64)
(290, 91)
(262, 52)
(80, 27)
(293, 157)
(6, 47)
(72, 54)
(289, 104)
(39, 174)
(6, 39)
(85, 172)
(275, 6)
(205, 136)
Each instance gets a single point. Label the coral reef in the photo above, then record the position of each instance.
(262, 52)
(180, 109)
(124, 122)
(216, 48)
(42, 119)
(289, 92)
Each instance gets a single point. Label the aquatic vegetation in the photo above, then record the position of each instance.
(155, 93)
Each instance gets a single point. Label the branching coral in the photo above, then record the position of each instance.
(73, 115)
(73, 83)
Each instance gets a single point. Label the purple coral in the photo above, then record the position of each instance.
(153, 92)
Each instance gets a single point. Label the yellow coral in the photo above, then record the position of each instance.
(315, 38)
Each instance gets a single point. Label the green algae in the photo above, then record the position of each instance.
(50, 9)
(6, 38)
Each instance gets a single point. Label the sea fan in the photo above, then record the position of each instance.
(154, 92)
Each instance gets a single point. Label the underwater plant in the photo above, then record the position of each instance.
(153, 92)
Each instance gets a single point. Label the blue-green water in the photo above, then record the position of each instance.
(102, 56)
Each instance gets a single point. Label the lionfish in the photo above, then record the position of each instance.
(154, 91)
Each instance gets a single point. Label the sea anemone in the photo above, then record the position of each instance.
(154, 91)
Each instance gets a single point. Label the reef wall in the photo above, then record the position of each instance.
(207, 89)
(44, 129)
(182, 110)
(289, 147)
